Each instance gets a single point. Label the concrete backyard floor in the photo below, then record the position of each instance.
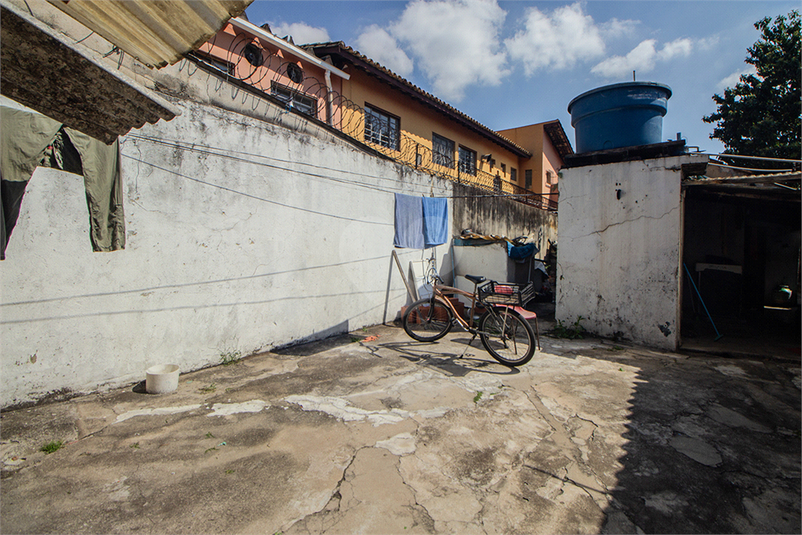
(388, 435)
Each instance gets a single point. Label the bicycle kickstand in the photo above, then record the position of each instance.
(467, 346)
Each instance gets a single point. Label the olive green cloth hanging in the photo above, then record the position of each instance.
(25, 137)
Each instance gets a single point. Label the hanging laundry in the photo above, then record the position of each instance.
(435, 221)
(408, 222)
(28, 140)
(420, 222)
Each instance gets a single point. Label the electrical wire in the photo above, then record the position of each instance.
(212, 151)
(237, 156)
(256, 197)
(751, 168)
(766, 158)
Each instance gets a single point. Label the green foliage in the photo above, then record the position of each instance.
(230, 356)
(761, 115)
(573, 331)
(208, 389)
(53, 446)
(477, 397)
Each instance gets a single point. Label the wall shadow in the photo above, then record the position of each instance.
(712, 445)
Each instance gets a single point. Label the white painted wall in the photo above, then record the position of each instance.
(619, 260)
(245, 237)
(490, 261)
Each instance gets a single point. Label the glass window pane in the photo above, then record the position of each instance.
(442, 151)
(381, 129)
(467, 161)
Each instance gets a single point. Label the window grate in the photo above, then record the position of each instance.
(467, 161)
(442, 151)
(381, 129)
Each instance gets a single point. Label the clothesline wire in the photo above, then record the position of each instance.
(256, 197)
(206, 149)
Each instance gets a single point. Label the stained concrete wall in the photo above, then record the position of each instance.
(619, 256)
(481, 212)
(241, 236)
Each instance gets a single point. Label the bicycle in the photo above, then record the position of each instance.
(503, 327)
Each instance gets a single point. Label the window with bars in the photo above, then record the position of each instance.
(381, 128)
(442, 151)
(528, 179)
(295, 99)
(467, 161)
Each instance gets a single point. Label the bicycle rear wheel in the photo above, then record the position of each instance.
(507, 336)
(426, 321)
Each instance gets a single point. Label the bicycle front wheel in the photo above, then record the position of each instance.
(427, 321)
(507, 336)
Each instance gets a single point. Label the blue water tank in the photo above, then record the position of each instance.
(619, 115)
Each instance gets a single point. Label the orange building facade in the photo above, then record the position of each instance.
(257, 59)
(338, 86)
(409, 124)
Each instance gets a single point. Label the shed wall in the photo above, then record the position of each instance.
(619, 259)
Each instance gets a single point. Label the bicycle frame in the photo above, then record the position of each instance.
(438, 294)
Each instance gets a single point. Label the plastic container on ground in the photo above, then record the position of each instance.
(161, 379)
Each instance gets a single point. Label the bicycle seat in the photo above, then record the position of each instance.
(476, 279)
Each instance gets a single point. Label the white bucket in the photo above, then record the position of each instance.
(161, 379)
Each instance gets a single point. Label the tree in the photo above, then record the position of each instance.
(761, 115)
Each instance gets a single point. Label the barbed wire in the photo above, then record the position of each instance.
(274, 78)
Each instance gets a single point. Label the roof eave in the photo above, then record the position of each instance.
(405, 87)
(287, 47)
(554, 129)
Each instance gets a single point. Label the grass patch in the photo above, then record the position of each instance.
(135, 445)
(230, 357)
(477, 397)
(53, 446)
(208, 389)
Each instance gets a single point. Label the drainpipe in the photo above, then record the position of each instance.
(329, 91)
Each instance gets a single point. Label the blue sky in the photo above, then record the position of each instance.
(509, 64)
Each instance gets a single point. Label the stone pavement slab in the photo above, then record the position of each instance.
(395, 436)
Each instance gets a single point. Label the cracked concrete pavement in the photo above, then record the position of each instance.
(396, 436)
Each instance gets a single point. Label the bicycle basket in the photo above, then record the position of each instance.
(506, 293)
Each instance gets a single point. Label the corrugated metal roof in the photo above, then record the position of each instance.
(156, 32)
(64, 80)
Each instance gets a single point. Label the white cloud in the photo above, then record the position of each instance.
(375, 43)
(643, 58)
(301, 33)
(455, 42)
(562, 39)
(617, 28)
(733, 79)
(678, 48)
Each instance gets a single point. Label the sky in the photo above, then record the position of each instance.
(513, 63)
